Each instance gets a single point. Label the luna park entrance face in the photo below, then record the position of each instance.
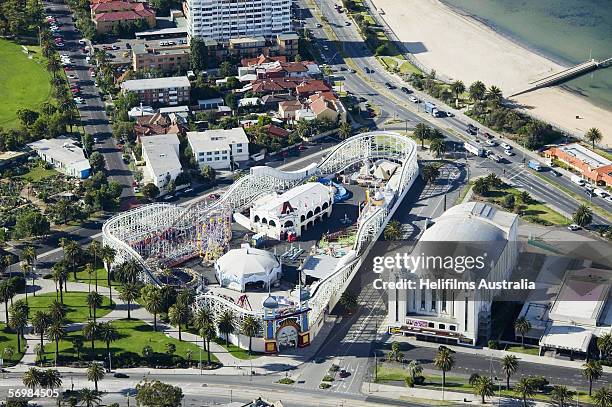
(287, 336)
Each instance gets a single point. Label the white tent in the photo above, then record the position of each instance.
(238, 267)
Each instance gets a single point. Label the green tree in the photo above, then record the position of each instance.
(129, 292)
(18, 320)
(457, 88)
(396, 352)
(348, 300)
(108, 333)
(561, 395)
(477, 91)
(226, 69)
(494, 95)
(422, 132)
(583, 215)
(414, 369)
(96, 161)
(150, 191)
(55, 333)
(199, 54)
(153, 301)
(524, 388)
(158, 394)
(522, 326)
(393, 230)
(603, 397)
(178, 315)
(481, 186)
(40, 323)
(208, 173)
(250, 327)
(95, 373)
(345, 130)
(444, 361)
(430, 173)
(94, 301)
(509, 365)
(483, 387)
(226, 324)
(592, 371)
(89, 397)
(91, 333)
(31, 223)
(509, 201)
(593, 135)
(438, 147)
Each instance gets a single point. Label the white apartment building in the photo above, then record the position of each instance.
(161, 155)
(64, 155)
(222, 20)
(221, 149)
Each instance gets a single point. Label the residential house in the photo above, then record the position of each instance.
(326, 106)
(220, 149)
(165, 91)
(161, 155)
(157, 124)
(107, 15)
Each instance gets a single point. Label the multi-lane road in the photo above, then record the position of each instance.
(345, 46)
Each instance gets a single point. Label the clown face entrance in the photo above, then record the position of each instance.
(287, 335)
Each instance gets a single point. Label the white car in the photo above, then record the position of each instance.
(82, 42)
(88, 59)
(609, 198)
(490, 143)
(413, 99)
(71, 76)
(509, 153)
(506, 146)
(79, 101)
(92, 74)
(573, 227)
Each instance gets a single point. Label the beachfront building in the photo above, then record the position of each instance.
(161, 156)
(587, 163)
(159, 91)
(292, 212)
(223, 20)
(107, 15)
(64, 155)
(450, 314)
(220, 149)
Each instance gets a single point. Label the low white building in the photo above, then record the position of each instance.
(451, 313)
(294, 211)
(246, 266)
(220, 149)
(64, 155)
(161, 155)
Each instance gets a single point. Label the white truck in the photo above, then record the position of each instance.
(477, 151)
(600, 192)
(577, 180)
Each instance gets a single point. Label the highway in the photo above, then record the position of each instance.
(347, 47)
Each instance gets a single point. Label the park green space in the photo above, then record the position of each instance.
(38, 173)
(534, 211)
(526, 350)
(75, 303)
(24, 82)
(237, 351)
(134, 336)
(85, 278)
(9, 339)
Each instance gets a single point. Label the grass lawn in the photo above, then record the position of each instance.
(134, 336)
(535, 211)
(24, 82)
(83, 277)
(75, 302)
(9, 339)
(237, 351)
(38, 173)
(527, 350)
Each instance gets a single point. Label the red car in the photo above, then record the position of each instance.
(301, 147)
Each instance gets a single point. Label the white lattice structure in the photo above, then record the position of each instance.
(172, 230)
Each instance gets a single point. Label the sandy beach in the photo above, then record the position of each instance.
(461, 47)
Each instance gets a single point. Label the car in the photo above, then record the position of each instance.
(75, 91)
(555, 173)
(188, 190)
(347, 23)
(107, 47)
(490, 143)
(318, 25)
(168, 197)
(573, 227)
(450, 114)
(390, 86)
(128, 46)
(119, 375)
(343, 373)
(213, 196)
(368, 70)
(71, 76)
(96, 140)
(506, 146)
(302, 147)
(413, 99)
(82, 42)
(114, 48)
(509, 153)
(352, 71)
(136, 190)
(405, 90)
(60, 45)
(92, 74)
(88, 59)
(79, 100)
(471, 131)
(609, 198)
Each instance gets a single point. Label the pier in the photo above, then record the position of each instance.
(566, 74)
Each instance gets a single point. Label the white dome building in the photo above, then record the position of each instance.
(239, 267)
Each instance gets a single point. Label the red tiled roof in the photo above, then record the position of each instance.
(262, 59)
(121, 10)
(312, 86)
(279, 84)
(276, 131)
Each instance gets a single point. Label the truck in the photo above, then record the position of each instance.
(477, 151)
(432, 109)
(495, 158)
(534, 165)
(577, 180)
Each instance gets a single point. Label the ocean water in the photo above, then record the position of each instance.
(567, 31)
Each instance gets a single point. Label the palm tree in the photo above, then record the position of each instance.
(71, 251)
(89, 270)
(345, 130)
(108, 333)
(250, 327)
(95, 373)
(127, 272)
(178, 315)
(31, 378)
(349, 300)
(50, 379)
(509, 365)
(430, 173)
(604, 345)
(129, 292)
(90, 332)
(483, 387)
(18, 320)
(457, 88)
(522, 326)
(90, 398)
(94, 250)
(583, 215)
(494, 95)
(592, 371)
(593, 135)
(57, 312)
(414, 369)
(226, 324)
(60, 274)
(393, 230)
(524, 388)
(561, 395)
(444, 361)
(6, 294)
(55, 332)
(603, 397)
(77, 344)
(108, 256)
(422, 132)
(53, 65)
(40, 322)
(25, 269)
(94, 301)
(208, 332)
(477, 91)
(153, 302)
(28, 254)
(437, 146)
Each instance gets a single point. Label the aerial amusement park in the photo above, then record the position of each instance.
(280, 246)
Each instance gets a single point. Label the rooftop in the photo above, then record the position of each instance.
(585, 155)
(162, 31)
(156, 83)
(63, 150)
(215, 140)
(302, 196)
(161, 152)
